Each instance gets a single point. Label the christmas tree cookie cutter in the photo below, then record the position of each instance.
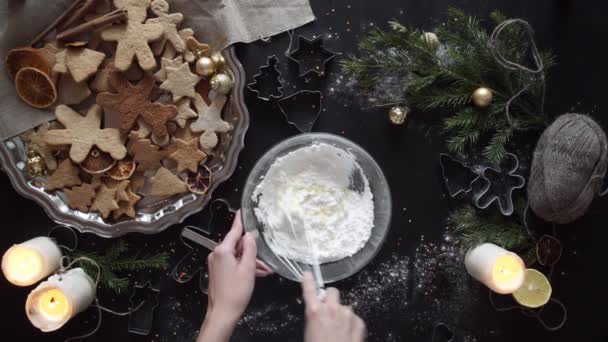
(496, 183)
(499, 184)
(311, 56)
(267, 83)
(145, 299)
(200, 241)
(303, 114)
(457, 175)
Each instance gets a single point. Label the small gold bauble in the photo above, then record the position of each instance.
(205, 66)
(34, 165)
(482, 97)
(398, 114)
(218, 60)
(222, 83)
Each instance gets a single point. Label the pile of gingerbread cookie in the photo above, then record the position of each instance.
(150, 96)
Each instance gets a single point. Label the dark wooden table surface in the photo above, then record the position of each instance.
(411, 286)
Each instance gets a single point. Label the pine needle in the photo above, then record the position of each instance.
(117, 263)
(433, 80)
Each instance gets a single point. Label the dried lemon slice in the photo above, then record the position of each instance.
(35, 87)
(23, 57)
(536, 290)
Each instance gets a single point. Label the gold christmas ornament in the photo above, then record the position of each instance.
(482, 97)
(398, 114)
(205, 66)
(34, 165)
(219, 61)
(431, 38)
(222, 83)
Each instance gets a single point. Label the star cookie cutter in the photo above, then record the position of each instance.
(311, 56)
(499, 185)
(451, 169)
(302, 114)
(145, 299)
(267, 83)
(200, 241)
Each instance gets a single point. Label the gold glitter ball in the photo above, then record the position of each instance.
(218, 60)
(222, 83)
(398, 114)
(482, 97)
(34, 165)
(205, 66)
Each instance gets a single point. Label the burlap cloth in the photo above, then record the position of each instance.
(219, 23)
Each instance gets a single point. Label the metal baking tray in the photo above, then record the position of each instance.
(154, 217)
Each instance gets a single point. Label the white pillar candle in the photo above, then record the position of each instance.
(27, 263)
(500, 270)
(54, 302)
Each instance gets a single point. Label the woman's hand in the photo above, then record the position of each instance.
(328, 320)
(232, 271)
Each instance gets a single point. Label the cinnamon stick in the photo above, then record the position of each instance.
(112, 17)
(87, 7)
(57, 21)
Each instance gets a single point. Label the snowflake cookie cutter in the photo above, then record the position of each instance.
(302, 114)
(268, 80)
(311, 56)
(200, 241)
(144, 300)
(499, 184)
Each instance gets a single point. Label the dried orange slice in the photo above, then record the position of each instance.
(200, 182)
(97, 162)
(122, 170)
(35, 88)
(23, 57)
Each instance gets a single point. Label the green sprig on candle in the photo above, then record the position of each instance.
(117, 260)
(475, 227)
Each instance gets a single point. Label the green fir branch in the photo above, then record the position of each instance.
(116, 262)
(475, 227)
(446, 79)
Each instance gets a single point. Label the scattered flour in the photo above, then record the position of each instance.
(314, 184)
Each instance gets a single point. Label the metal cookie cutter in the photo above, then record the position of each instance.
(442, 333)
(267, 83)
(499, 186)
(311, 56)
(145, 299)
(457, 175)
(302, 109)
(218, 220)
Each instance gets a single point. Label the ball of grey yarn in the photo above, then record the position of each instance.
(567, 169)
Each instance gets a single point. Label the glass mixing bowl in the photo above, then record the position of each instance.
(343, 268)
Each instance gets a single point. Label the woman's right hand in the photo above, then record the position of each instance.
(327, 319)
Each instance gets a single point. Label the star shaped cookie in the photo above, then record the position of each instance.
(180, 82)
(187, 155)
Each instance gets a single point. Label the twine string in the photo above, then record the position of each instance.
(538, 71)
(71, 230)
(64, 268)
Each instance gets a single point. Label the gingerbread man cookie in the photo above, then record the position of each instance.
(169, 23)
(133, 37)
(209, 121)
(84, 132)
(133, 101)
